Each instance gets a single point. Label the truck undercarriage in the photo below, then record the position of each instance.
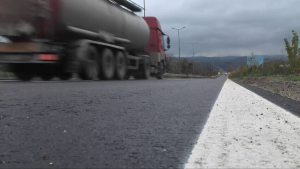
(92, 60)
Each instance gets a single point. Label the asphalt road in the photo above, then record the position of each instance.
(115, 124)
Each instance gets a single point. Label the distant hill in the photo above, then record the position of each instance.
(226, 61)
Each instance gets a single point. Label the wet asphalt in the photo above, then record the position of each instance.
(103, 124)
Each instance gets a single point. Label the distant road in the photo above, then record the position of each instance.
(103, 124)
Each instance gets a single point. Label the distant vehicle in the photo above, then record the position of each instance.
(102, 39)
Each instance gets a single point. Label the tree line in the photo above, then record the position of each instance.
(281, 67)
(172, 66)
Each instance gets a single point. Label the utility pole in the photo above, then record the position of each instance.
(179, 47)
(193, 54)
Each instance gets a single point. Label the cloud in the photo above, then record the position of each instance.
(227, 27)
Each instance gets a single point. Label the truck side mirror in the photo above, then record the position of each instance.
(168, 46)
(168, 40)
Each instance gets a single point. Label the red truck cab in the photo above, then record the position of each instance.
(156, 44)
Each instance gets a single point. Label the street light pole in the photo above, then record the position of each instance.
(193, 54)
(179, 47)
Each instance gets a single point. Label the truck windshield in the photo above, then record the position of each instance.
(163, 41)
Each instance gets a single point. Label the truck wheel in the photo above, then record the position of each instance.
(144, 70)
(127, 77)
(47, 76)
(89, 66)
(121, 66)
(160, 71)
(107, 65)
(24, 75)
(65, 76)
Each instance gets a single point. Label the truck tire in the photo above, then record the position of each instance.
(65, 76)
(46, 76)
(89, 66)
(144, 70)
(160, 73)
(24, 75)
(107, 65)
(121, 66)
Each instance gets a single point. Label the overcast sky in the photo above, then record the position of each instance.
(227, 27)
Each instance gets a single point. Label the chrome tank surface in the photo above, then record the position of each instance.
(101, 15)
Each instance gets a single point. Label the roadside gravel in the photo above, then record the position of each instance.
(286, 103)
(276, 84)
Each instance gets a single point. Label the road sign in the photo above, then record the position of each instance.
(255, 60)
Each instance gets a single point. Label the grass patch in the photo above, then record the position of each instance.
(273, 69)
(276, 91)
(293, 78)
(287, 77)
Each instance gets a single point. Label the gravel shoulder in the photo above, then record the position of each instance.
(275, 84)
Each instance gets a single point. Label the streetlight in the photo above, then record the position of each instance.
(193, 53)
(179, 47)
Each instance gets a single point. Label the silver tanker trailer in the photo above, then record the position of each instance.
(98, 39)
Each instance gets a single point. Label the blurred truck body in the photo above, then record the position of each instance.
(98, 39)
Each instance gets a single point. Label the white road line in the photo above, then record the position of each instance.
(246, 131)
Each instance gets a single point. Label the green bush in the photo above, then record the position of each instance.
(293, 52)
(267, 69)
(276, 67)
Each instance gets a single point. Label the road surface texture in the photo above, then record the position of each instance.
(245, 130)
(99, 124)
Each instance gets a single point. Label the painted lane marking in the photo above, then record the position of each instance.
(246, 131)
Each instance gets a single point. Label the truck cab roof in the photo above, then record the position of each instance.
(153, 23)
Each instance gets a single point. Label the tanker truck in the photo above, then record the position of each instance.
(97, 39)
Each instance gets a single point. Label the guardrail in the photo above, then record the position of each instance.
(170, 75)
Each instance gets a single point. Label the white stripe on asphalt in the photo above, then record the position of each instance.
(246, 131)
